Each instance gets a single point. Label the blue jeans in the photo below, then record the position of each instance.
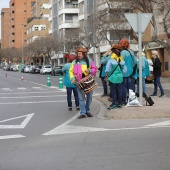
(84, 102)
(143, 85)
(128, 83)
(69, 94)
(157, 84)
(104, 83)
(117, 93)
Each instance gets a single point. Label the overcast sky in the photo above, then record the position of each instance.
(3, 4)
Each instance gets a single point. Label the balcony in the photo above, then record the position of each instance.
(69, 24)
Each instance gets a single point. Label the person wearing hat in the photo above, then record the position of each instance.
(157, 73)
(80, 68)
(102, 74)
(115, 68)
(145, 73)
(69, 86)
(130, 62)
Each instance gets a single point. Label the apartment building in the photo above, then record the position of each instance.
(5, 26)
(64, 17)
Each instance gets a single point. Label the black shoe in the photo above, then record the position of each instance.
(77, 108)
(162, 95)
(89, 115)
(70, 108)
(81, 116)
(104, 95)
(153, 94)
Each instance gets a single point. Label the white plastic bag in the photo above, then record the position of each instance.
(133, 100)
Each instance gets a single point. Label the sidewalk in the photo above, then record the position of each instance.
(160, 109)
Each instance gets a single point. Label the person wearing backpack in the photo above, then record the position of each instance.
(115, 69)
(130, 62)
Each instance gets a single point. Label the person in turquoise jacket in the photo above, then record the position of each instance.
(145, 73)
(115, 69)
(69, 86)
(103, 61)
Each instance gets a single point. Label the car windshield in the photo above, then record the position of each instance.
(47, 66)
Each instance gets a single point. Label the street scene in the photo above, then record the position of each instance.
(84, 85)
(38, 132)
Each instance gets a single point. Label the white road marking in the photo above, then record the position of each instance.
(21, 126)
(35, 102)
(30, 97)
(11, 136)
(36, 87)
(21, 88)
(6, 89)
(160, 124)
(34, 92)
(74, 129)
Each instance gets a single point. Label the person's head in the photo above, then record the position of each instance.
(154, 54)
(116, 49)
(123, 43)
(82, 54)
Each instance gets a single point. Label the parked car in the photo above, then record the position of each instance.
(36, 69)
(27, 68)
(57, 70)
(46, 69)
(151, 77)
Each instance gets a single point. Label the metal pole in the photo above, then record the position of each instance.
(140, 58)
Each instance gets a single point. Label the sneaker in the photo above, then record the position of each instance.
(112, 107)
(104, 95)
(119, 106)
(89, 115)
(162, 95)
(153, 94)
(77, 108)
(110, 99)
(81, 116)
(70, 108)
(124, 103)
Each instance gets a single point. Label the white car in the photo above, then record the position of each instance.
(27, 68)
(46, 69)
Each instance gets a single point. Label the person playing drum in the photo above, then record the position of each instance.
(80, 68)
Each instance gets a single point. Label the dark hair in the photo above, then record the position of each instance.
(85, 59)
(116, 51)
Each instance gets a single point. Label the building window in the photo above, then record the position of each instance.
(36, 28)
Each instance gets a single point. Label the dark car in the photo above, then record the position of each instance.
(36, 69)
(57, 71)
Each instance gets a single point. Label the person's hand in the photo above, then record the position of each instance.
(87, 71)
(73, 81)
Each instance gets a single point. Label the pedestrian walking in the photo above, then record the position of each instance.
(69, 86)
(80, 68)
(115, 69)
(130, 62)
(157, 73)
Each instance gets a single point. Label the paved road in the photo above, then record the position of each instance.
(38, 132)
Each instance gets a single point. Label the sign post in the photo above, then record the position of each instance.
(139, 22)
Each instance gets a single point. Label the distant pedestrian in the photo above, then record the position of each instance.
(130, 61)
(80, 68)
(145, 73)
(69, 86)
(157, 73)
(103, 61)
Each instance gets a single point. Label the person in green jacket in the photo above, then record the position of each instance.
(115, 69)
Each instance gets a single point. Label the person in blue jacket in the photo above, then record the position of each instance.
(145, 73)
(130, 61)
(103, 61)
(69, 86)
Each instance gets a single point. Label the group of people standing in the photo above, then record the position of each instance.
(119, 67)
